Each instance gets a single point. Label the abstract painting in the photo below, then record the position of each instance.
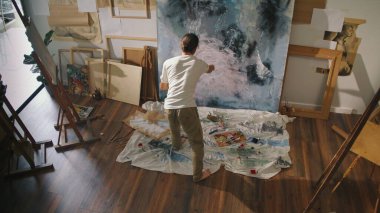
(246, 40)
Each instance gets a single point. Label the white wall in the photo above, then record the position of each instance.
(125, 27)
(353, 92)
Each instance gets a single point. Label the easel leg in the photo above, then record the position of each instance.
(60, 126)
(344, 135)
(352, 165)
(343, 150)
(378, 199)
(56, 127)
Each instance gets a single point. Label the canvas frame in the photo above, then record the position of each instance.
(60, 68)
(90, 51)
(92, 83)
(319, 53)
(73, 50)
(147, 11)
(137, 55)
(132, 93)
(109, 37)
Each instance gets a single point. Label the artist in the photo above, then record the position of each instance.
(179, 76)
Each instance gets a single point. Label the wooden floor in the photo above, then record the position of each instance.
(88, 179)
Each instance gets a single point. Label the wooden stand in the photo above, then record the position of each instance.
(343, 151)
(44, 61)
(66, 110)
(33, 152)
(320, 53)
(366, 146)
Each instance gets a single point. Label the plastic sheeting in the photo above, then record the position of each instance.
(255, 144)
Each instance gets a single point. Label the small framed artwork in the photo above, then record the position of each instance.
(78, 79)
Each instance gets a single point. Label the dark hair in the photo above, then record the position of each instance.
(189, 43)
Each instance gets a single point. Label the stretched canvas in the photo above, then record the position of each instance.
(246, 40)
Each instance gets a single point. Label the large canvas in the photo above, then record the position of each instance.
(246, 40)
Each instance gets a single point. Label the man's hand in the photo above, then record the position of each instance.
(164, 86)
(211, 68)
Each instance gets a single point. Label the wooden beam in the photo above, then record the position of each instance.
(354, 21)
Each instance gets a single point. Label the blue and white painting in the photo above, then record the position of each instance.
(246, 40)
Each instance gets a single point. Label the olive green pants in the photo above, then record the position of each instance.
(188, 118)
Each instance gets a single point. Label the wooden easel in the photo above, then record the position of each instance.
(320, 53)
(66, 109)
(45, 61)
(343, 151)
(367, 146)
(36, 159)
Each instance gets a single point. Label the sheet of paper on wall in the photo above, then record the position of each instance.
(90, 33)
(67, 15)
(149, 29)
(109, 25)
(41, 7)
(41, 50)
(309, 36)
(124, 82)
(87, 5)
(327, 19)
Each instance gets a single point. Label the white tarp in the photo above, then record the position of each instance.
(254, 143)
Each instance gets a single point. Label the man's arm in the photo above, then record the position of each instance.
(164, 86)
(210, 68)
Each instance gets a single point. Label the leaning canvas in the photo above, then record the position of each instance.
(246, 40)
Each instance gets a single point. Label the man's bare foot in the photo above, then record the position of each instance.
(205, 174)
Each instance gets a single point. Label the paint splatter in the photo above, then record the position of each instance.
(272, 20)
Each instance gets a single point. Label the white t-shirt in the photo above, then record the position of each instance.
(182, 73)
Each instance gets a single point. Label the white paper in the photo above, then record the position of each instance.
(327, 19)
(87, 5)
(109, 25)
(308, 35)
(40, 7)
(135, 13)
(131, 27)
